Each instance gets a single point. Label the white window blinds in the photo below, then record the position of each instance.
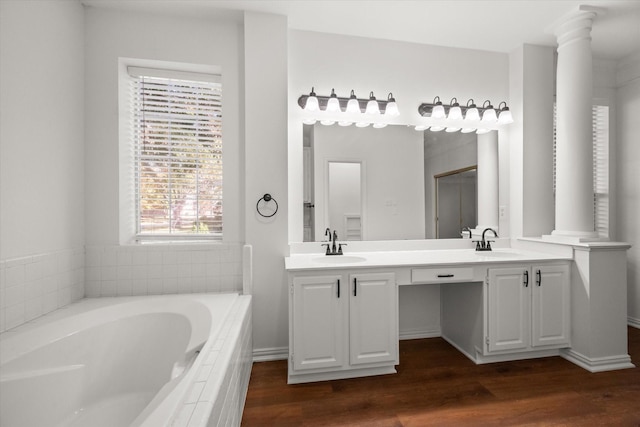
(601, 169)
(600, 132)
(177, 145)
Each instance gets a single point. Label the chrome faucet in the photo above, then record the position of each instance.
(331, 246)
(485, 245)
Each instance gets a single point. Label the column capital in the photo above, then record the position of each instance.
(576, 25)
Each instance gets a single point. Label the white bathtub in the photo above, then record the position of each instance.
(140, 361)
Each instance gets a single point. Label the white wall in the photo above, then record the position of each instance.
(393, 177)
(626, 176)
(112, 34)
(265, 61)
(41, 158)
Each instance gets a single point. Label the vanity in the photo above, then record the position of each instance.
(498, 305)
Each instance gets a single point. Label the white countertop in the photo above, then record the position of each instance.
(417, 258)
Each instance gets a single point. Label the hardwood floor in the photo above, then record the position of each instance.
(438, 386)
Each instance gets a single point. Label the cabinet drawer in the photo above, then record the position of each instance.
(441, 275)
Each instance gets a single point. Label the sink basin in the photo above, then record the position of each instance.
(339, 259)
(496, 254)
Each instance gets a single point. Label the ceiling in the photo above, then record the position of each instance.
(493, 25)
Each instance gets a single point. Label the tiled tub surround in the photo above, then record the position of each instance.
(207, 336)
(156, 269)
(37, 284)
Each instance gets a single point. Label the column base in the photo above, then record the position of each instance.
(598, 364)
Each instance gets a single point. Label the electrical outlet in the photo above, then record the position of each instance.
(503, 211)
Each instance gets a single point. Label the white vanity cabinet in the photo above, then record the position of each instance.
(527, 308)
(342, 324)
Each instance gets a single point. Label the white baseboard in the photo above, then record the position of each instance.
(269, 354)
(633, 321)
(598, 364)
(419, 334)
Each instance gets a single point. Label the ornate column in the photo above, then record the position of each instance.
(574, 149)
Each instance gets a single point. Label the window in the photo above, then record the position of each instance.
(600, 132)
(177, 150)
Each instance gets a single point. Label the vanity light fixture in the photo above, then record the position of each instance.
(465, 119)
(332, 109)
(489, 115)
(504, 117)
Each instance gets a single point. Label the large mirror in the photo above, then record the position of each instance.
(381, 184)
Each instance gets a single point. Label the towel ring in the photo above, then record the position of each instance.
(267, 198)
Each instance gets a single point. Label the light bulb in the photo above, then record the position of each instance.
(343, 123)
(451, 130)
(353, 106)
(372, 105)
(392, 107)
(333, 105)
(437, 112)
(327, 122)
(420, 128)
(481, 131)
(309, 121)
(505, 117)
(379, 125)
(455, 112)
(436, 128)
(489, 115)
(472, 111)
(467, 130)
(312, 102)
(362, 124)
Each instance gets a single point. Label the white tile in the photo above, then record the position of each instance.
(183, 257)
(50, 284)
(33, 271)
(231, 268)
(3, 276)
(184, 270)
(109, 272)
(15, 275)
(64, 296)
(139, 272)
(139, 287)
(198, 270)
(108, 288)
(154, 286)
(124, 288)
(169, 285)
(124, 257)
(139, 257)
(199, 284)
(14, 315)
(49, 302)
(169, 271)
(124, 272)
(212, 284)
(154, 271)
(92, 257)
(185, 285)
(14, 295)
(3, 300)
(33, 308)
(33, 289)
(213, 270)
(3, 326)
(92, 273)
(92, 288)
(109, 256)
(169, 257)
(198, 257)
(154, 258)
(65, 261)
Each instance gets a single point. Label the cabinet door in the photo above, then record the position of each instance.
(373, 303)
(508, 309)
(318, 322)
(550, 305)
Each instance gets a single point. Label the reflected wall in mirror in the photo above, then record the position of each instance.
(397, 187)
(456, 202)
